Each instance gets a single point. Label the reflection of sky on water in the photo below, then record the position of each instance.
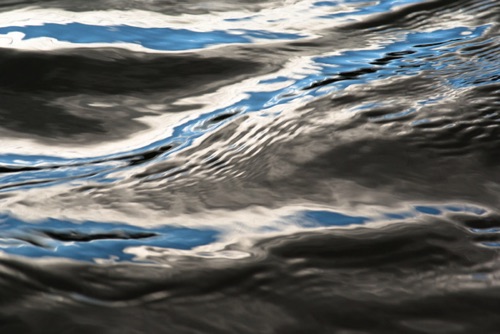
(324, 218)
(163, 39)
(336, 72)
(87, 241)
(329, 218)
(90, 241)
(372, 7)
(408, 55)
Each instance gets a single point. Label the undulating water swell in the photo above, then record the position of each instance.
(249, 166)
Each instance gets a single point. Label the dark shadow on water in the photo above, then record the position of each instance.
(33, 87)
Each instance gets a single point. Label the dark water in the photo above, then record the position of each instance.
(249, 166)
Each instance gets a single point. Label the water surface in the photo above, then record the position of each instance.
(249, 166)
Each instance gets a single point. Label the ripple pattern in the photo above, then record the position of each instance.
(274, 166)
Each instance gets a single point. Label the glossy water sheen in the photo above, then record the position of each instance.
(249, 166)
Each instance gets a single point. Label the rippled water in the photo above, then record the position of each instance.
(249, 166)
